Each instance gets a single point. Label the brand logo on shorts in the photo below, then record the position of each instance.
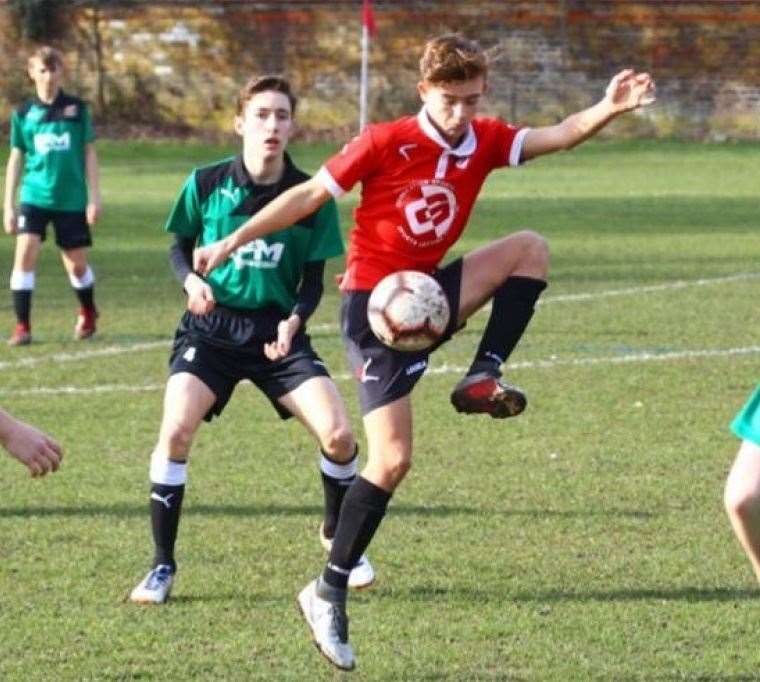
(258, 254)
(364, 376)
(21, 222)
(44, 143)
(189, 354)
(416, 367)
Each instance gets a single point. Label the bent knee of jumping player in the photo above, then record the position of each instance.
(532, 255)
(388, 468)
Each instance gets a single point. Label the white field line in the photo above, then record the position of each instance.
(330, 327)
(643, 357)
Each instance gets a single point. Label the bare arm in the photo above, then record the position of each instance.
(34, 449)
(12, 178)
(627, 91)
(299, 201)
(93, 183)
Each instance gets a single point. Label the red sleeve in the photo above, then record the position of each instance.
(507, 142)
(354, 162)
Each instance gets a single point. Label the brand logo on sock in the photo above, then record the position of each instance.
(189, 354)
(163, 500)
(494, 357)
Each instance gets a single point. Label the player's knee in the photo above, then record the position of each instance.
(535, 249)
(338, 443)
(740, 501)
(177, 439)
(397, 465)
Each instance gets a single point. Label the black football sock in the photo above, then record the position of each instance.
(86, 297)
(337, 477)
(165, 507)
(512, 308)
(363, 509)
(22, 305)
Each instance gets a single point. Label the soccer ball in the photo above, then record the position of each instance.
(408, 310)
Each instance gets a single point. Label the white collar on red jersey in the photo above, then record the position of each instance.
(465, 148)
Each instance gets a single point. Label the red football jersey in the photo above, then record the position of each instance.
(417, 192)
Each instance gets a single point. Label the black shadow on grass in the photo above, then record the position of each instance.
(684, 594)
(129, 510)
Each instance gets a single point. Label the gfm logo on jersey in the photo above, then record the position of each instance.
(258, 254)
(428, 208)
(44, 143)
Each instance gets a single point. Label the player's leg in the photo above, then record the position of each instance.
(318, 405)
(32, 223)
(742, 500)
(511, 271)
(83, 282)
(187, 401)
(22, 286)
(323, 601)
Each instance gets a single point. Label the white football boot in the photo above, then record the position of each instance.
(155, 587)
(329, 626)
(362, 575)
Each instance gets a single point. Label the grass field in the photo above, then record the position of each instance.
(584, 540)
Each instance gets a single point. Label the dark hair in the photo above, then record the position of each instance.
(49, 56)
(452, 57)
(258, 84)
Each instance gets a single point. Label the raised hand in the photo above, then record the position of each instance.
(629, 90)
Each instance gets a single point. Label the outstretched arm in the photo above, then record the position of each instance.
(627, 91)
(299, 201)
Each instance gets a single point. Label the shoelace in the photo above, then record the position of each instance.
(339, 622)
(158, 577)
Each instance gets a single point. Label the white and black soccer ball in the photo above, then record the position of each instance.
(408, 310)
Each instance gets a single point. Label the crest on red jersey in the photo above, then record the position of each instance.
(428, 209)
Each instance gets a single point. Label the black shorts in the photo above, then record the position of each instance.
(227, 346)
(385, 374)
(71, 228)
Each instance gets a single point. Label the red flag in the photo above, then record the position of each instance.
(368, 17)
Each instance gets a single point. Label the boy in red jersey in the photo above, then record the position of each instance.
(420, 177)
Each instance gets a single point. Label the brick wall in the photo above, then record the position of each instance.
(180, 63)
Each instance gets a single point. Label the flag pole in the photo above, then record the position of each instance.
(364, 82)
(368, 30)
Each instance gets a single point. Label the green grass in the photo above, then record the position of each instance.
(584, 540)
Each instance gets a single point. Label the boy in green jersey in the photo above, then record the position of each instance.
(742, 496)
(246, 321)
(53, 157)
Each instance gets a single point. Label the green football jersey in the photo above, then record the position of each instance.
(746, 424)
(216, 200)
(52, 138)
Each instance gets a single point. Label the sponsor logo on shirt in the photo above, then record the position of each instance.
(44, 143)
(258, 254)
(428, 208)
